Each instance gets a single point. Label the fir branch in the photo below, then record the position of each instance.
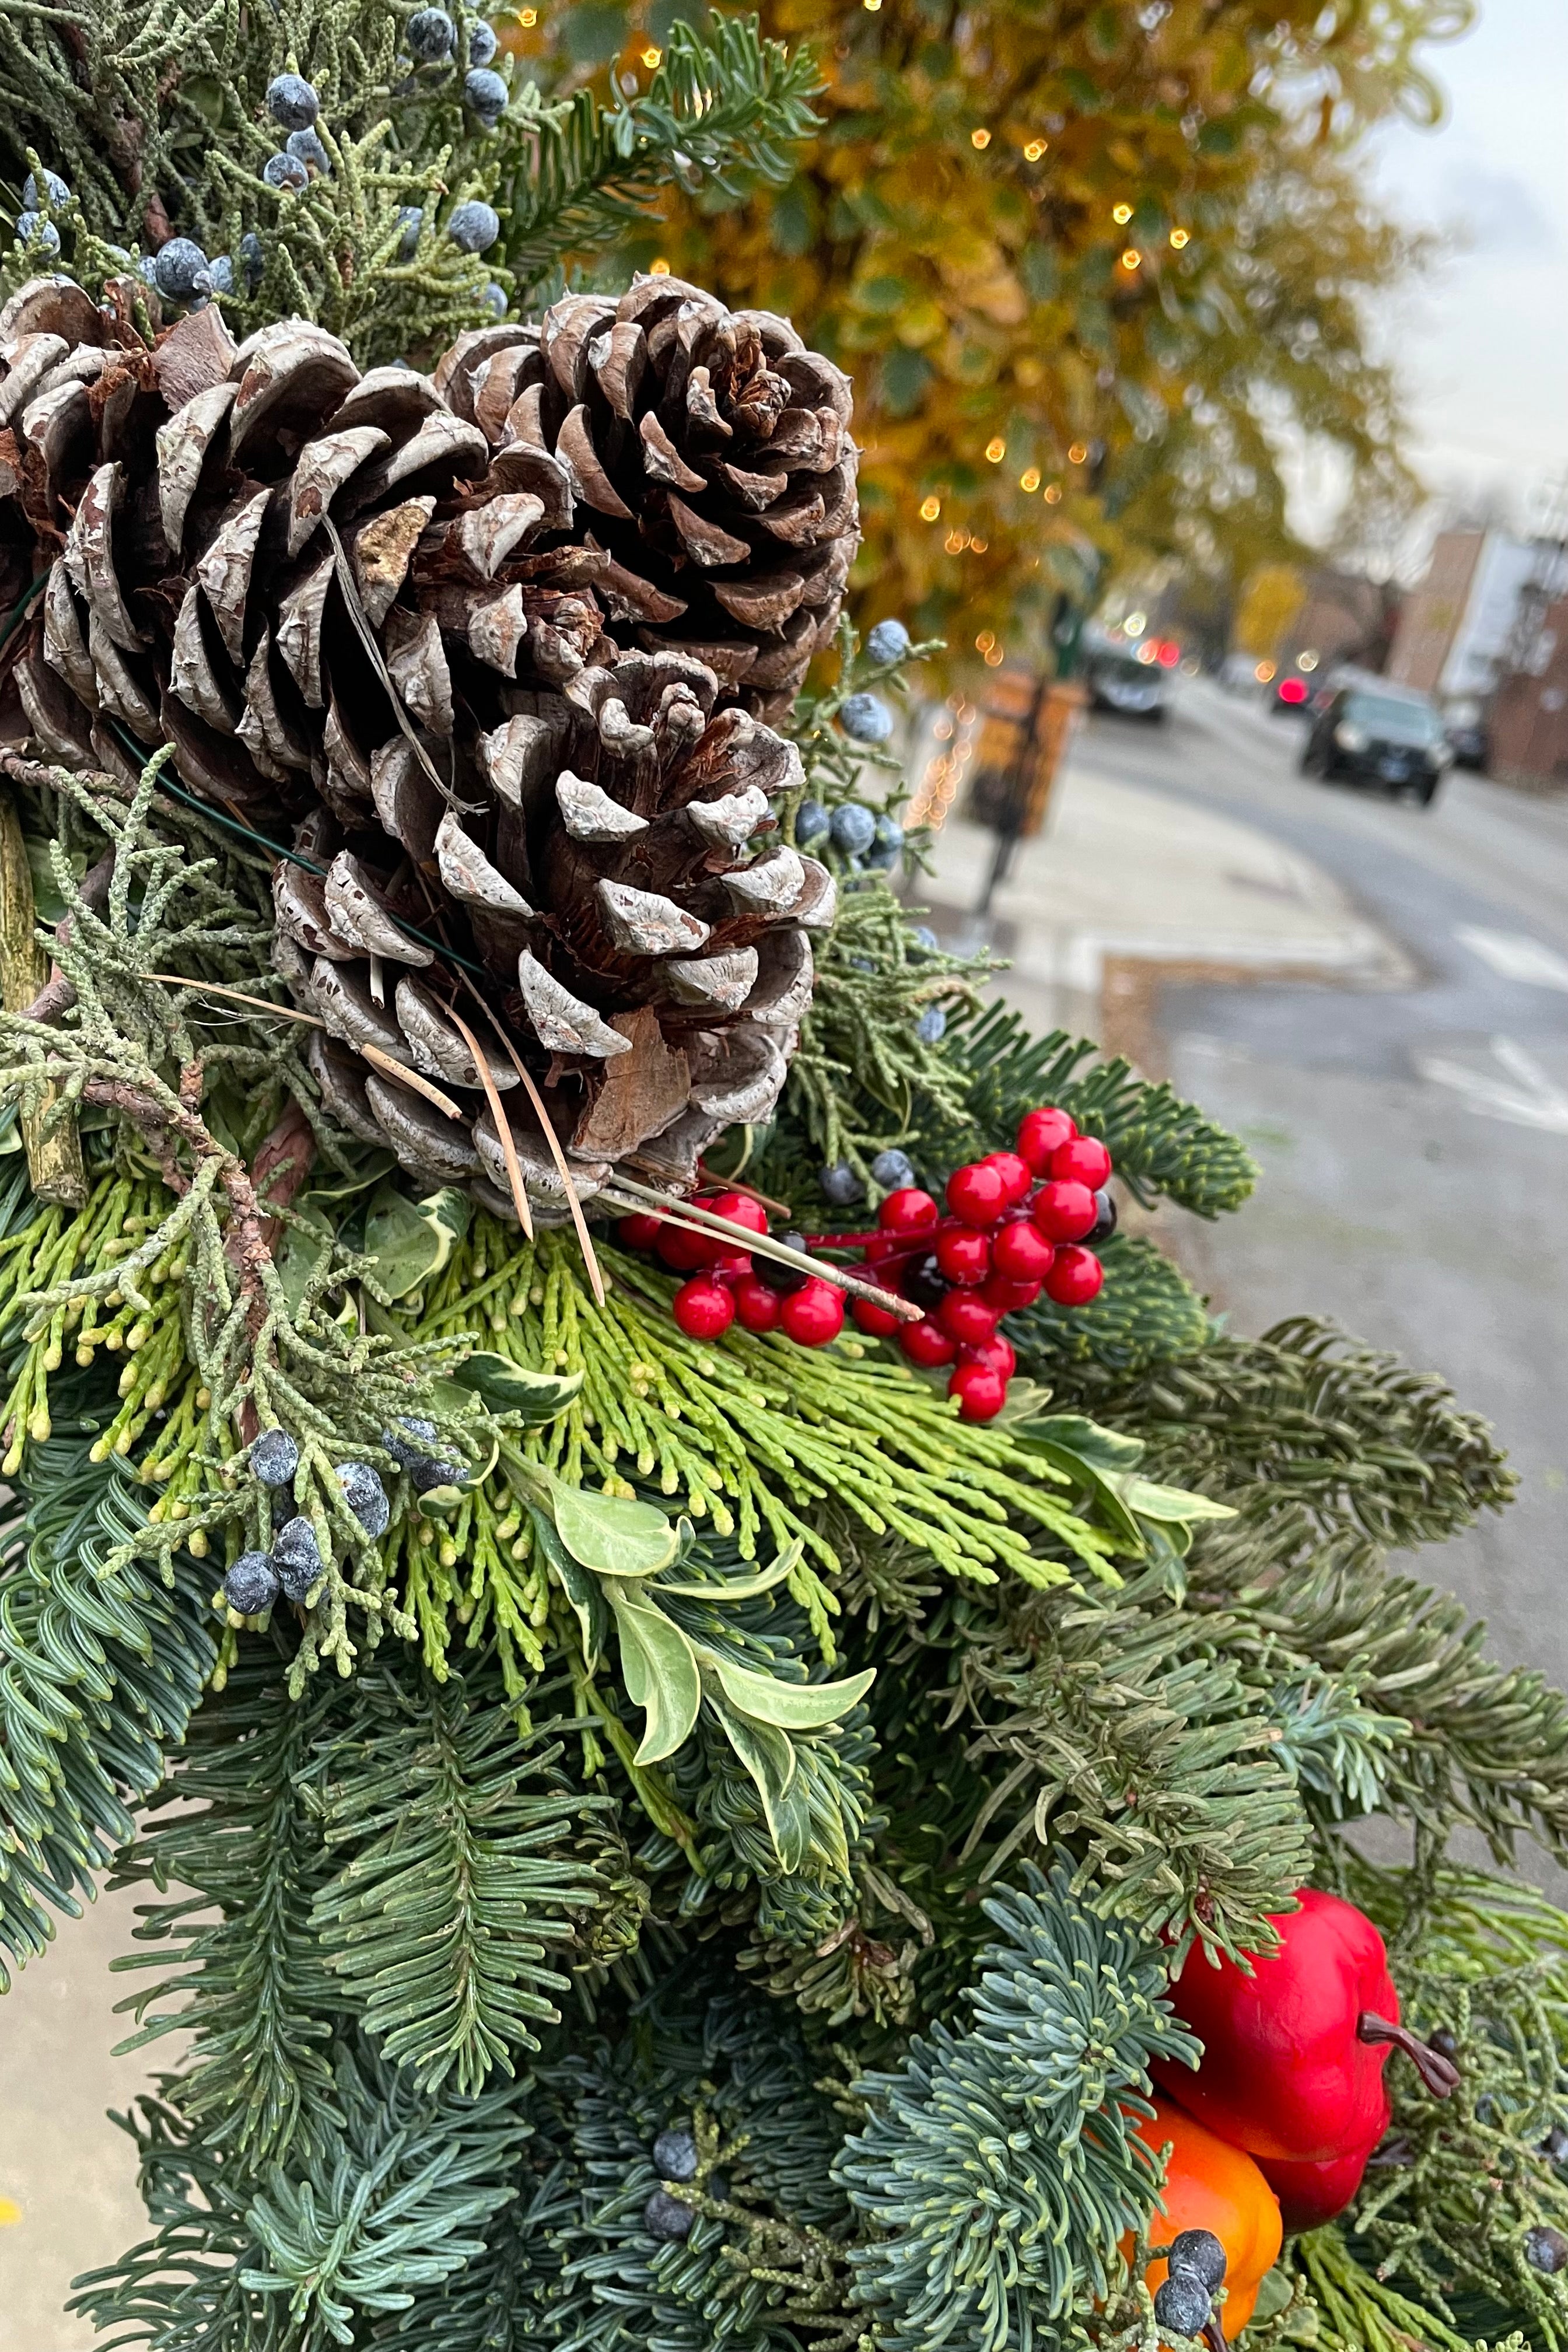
(459, 1868)
(101, 1670)
(718, 107)
(1000, 2167)
(243, 1837)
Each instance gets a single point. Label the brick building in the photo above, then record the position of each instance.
(1529, 710)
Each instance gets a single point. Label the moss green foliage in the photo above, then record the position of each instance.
(158, 123)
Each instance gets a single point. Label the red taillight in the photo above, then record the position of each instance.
(1166, 653)
(1292, 690)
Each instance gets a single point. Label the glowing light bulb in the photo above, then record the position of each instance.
(650, 56)
(996, 450)
(985, 641)
(1030, 481)
(1053, 494)
(660, 269)
(1079, 454)
(1121, 214)
(1132, 258)
(979, 546)
(1035, 150)
(528, 18)
(979, 139)
(929, 510)
(1179, 237)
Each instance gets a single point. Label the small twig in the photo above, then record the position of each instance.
(688, 1216)
(54, 1152)
(503, 1125)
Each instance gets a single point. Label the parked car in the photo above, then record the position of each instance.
(1465, 725)
(1372, 732)
(1136, 683)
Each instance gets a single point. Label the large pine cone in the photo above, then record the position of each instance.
(714, 452)
(356, 610)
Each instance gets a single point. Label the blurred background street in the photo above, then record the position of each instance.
(1385, 1021)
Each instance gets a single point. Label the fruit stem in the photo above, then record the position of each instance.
(1213, 2334)
(1439, 2074)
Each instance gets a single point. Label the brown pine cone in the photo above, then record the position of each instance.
(349, 613)
(712, 451)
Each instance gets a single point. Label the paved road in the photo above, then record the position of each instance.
(1414, 1139)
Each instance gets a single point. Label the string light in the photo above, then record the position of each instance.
(956, 542)
(1078, 455)
(528, 18)
(979, 546)
(650, 56)
(872, 6)
(1035, 150)
(1179, 237)
(1030, 481)
(985, 641)
(929, 510)
(1053, 494)
(996, 450)
(660, 269)
(1121, 214)
(979, 139)
(1132, 258)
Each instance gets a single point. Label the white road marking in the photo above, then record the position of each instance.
(1534, 1100)
(1514, 955)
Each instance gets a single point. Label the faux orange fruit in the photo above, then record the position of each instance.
(1212, 2186)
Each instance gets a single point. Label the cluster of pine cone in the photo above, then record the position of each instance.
(493, 651)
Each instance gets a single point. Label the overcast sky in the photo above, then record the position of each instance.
(1484, 347)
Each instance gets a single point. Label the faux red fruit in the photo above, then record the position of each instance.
(1015, 1172)
(963, 1254)
(757, 1306)
(1075, 1276)
(1311, 2194)
(908, 1210)
(965, 1317)
(1040, 1133)
(874, 1320)
(978, 1194)
(981, 1392)
(1084, 1161)
(1294, 2053)
(702, 1308)
(1021, 1252)
(925, 1345)
(1064, 1210)
(812, 1315)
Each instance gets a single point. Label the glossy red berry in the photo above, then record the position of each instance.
(1004, 1297)
(1021, 1252)
(908, 1210)
(927, 1346)
(702, 1308)
(1063, 1212)
(1084, 1161)
(1041, 1132)
(977, 1194)
(681, 1250)
(729, 1264)
(1015, 1173)
(739, 1209)
(874, 1320)
(639, 1231)
(963, 1255)
(757, 1306)
(812, 1315)
(1075, 1278)
(981, 1394)
(964, 1318)
(994, 1355)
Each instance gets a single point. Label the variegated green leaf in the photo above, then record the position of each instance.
(659, 1667)
(792, 1707)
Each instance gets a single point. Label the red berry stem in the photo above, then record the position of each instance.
(1213, 2334)
(1439, 2074)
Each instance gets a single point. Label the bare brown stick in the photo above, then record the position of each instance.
(503, 1125)
(54, 1159)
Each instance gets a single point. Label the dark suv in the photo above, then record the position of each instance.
(1372, 732)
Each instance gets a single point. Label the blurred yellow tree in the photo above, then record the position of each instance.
(1092, 267)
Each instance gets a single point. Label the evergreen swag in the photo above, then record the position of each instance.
(696, 1858)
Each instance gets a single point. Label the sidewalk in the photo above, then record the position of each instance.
(1124, 875)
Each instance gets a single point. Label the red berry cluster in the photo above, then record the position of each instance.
(726, 1285)
(1017, 1226)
